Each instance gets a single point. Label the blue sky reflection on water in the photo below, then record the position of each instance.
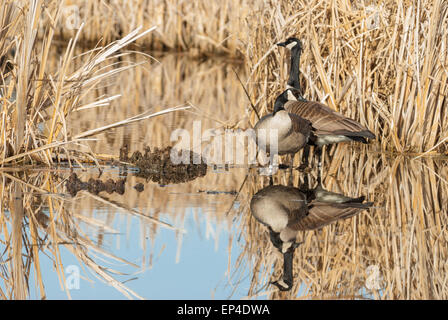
(201, 272)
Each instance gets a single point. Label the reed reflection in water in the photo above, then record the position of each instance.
(118, 239)
(210, 87)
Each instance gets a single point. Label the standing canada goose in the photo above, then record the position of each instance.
(331, 126)
(291, 131)
(288, 210)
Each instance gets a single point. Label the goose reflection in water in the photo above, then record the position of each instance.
(288, 210)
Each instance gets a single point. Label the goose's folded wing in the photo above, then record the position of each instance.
(300, 125)
(321, 214)
(327, 121)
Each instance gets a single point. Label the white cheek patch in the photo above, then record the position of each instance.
(291, 45)
(291, 96)
(283, 284)
(286, 246)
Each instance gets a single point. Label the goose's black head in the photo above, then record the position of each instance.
(291, 43)
(280, 101)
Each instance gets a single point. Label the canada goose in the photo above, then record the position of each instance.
(290, 130)
(280, 208)
(331, 126)
(288, 210)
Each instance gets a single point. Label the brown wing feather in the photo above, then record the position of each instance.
(322, 214)
(300, 125)
(327, 121)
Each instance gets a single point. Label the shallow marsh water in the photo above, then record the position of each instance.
(197, 239)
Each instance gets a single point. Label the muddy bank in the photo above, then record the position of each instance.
(155, 165)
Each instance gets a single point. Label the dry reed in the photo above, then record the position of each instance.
(382, 64)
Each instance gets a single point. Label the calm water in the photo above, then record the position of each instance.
(154, 262)
(197, 239)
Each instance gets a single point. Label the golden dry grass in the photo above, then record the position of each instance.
(384, 64)
(197, 27)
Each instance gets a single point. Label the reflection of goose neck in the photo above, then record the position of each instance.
(285, 284)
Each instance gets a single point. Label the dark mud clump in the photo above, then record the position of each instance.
(124, 150)
(139, 187)
(156, 165)
(95, 186)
